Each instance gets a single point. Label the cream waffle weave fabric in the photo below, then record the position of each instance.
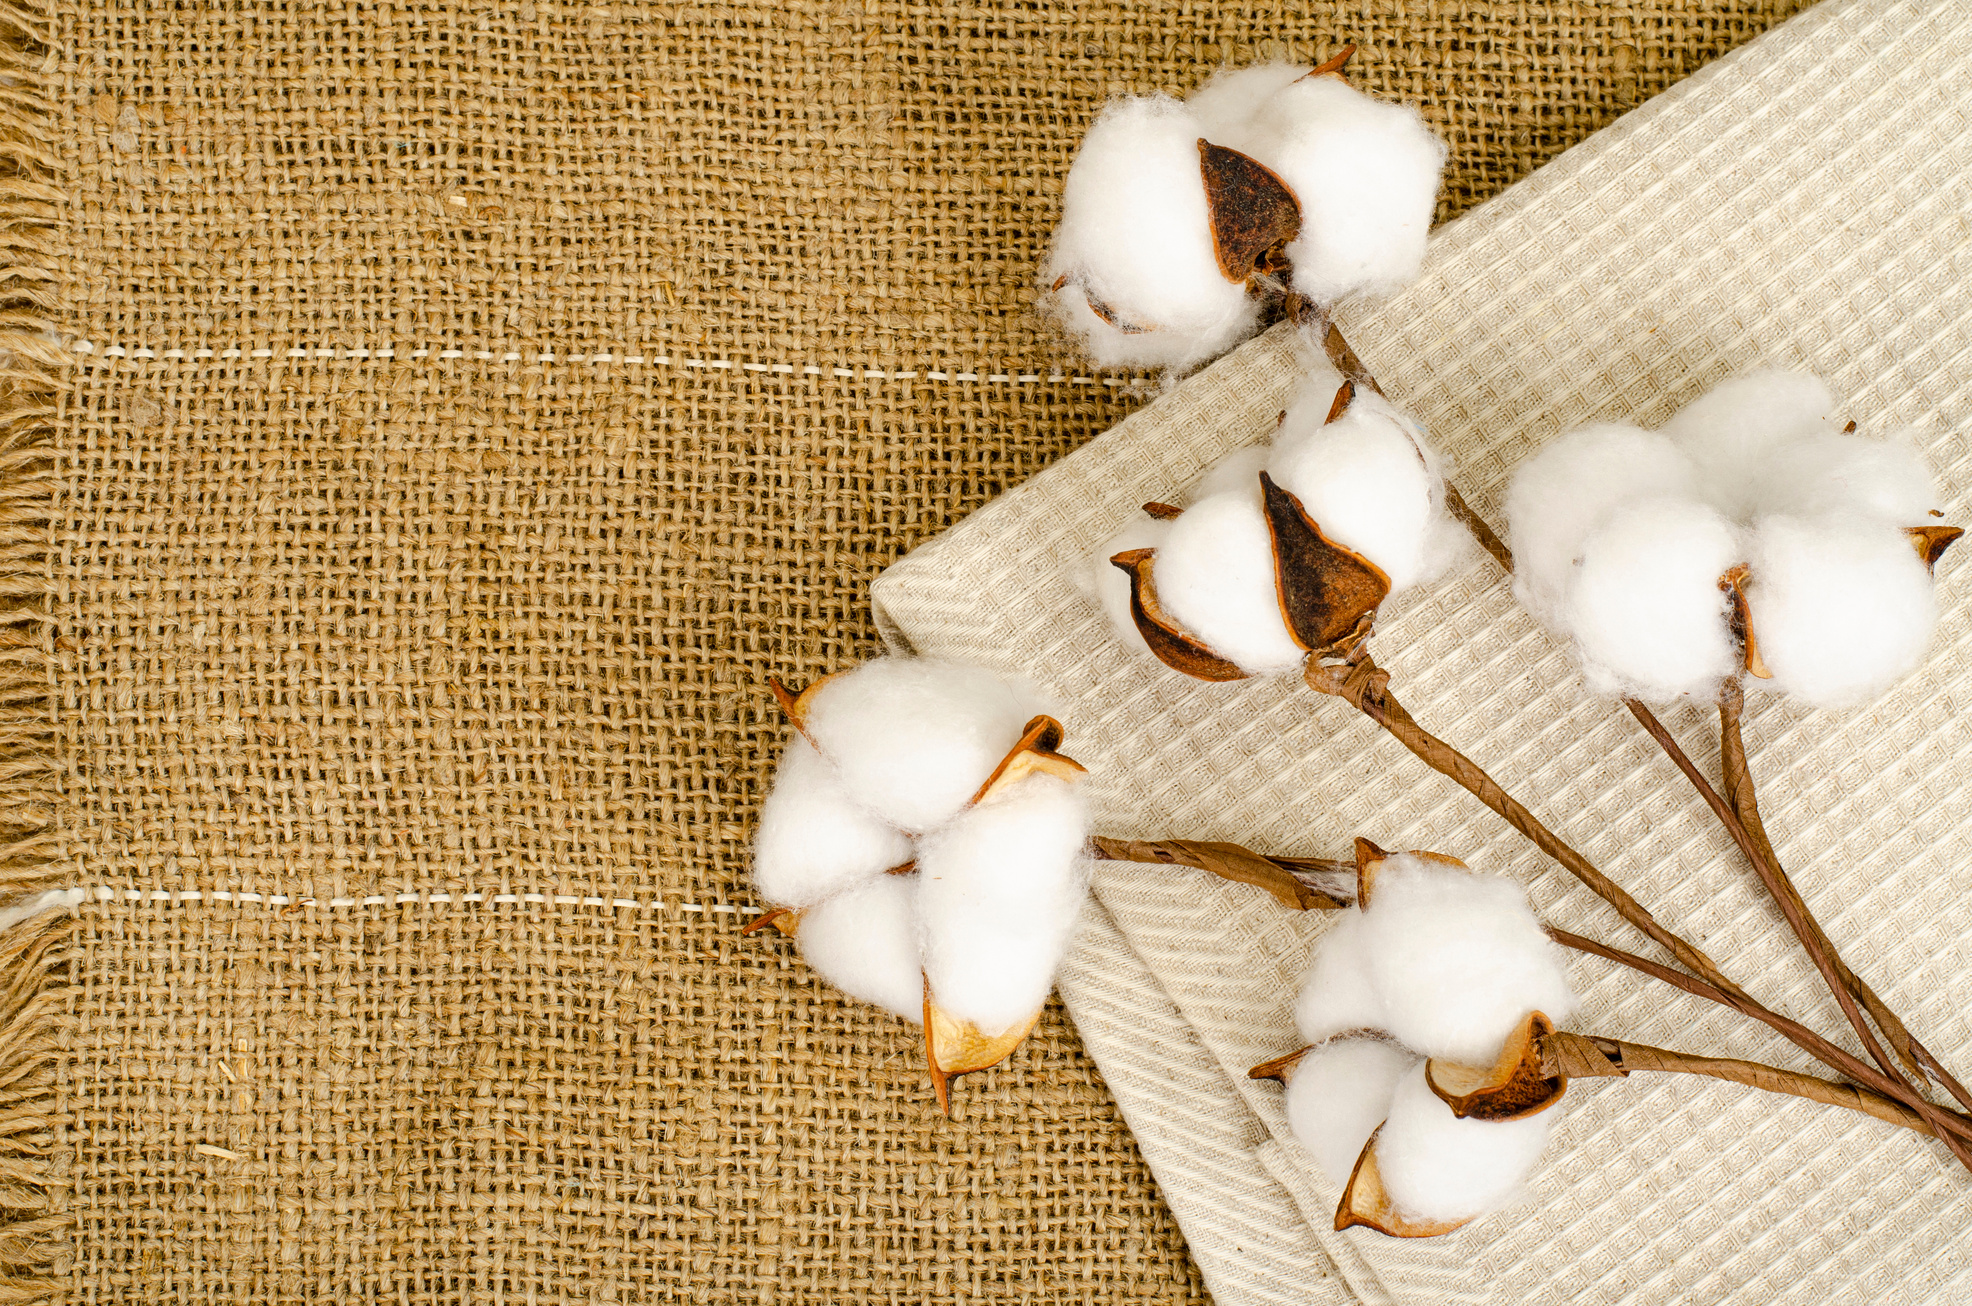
(1802, 202)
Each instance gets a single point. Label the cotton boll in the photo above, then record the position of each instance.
(1135, 233)
(1458, 959)
(1645, 606)
(1338, 1095)
(1366, 174)
(1338, 995)
(1109, 586)
(1436, 1166)
(913, 739)
(813, 839)
(1237, 472)
(1214, 575)
(865, 943)
(1733, 432)
(1826, 472)
(1226, 105)
(1562, 493)
(998, 893)
(1841, 607)
(1365, 480)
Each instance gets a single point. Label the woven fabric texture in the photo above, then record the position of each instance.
(1795, 203)
(460, 411)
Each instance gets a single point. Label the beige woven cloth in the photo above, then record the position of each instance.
(1801, 202)
(422, 428)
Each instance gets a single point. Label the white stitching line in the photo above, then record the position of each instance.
(107, 893)
(88, 350)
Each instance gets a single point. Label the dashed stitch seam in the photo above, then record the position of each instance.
(90, 350)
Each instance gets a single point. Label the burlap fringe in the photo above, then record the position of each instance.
(34, 1232)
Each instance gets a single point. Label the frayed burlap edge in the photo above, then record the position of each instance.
(34, 1233)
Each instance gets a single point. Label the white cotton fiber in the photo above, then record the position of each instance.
(1226, 104)
(1732, 432)
(1366, 174)
(1214, 575)
(1239, 471)
(1338, 1094)
(1645, 605)
(1842, 607)
(1825, 472)
(1561, 494)
(814, 841)
(865, 942)
(1337, 994)
(999, 890)
(913, 739)
(1437, 1167)
(36, 903)
(1109, 585)
(1135, 233)
(1366, 479)
(1458, 959)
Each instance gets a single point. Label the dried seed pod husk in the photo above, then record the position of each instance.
(1167, 641)
(1740, 621)
(1345, 394)
(1036, 751)
(1364, 1202)
(1281, 1068)
(1325, 590)
(1932, 541)
(954, 1047)
(1333, 65)
(785, 919)
(1254, 214)
(1370, 859)
(795, 706)
(1514, 1087)
(1162, 511)
(1102, 309)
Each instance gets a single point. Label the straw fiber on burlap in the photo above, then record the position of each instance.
(459, 412)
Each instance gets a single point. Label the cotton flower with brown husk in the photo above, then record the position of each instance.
(923, 844)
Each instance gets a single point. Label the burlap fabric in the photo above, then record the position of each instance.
(423, 429)
(1799, 203)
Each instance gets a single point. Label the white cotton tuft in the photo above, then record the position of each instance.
(1841, 607)
(1365, 172)
(1338, 1094)
(1226, 104)
(1733, 432)
(999, 891)
(1645, 605)
(1337, 994)
(865, 942)
(1435, 1166)
(1109, 585)
(1458, 959)
(913, 739)
(1366, 479)
(1561, 494)
(813, 840)
(1237, 472)
(1136, 235)
(36, 903)
(1825, 472)
(1214, 575)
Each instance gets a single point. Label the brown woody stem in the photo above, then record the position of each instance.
(1745, 804)
(1367, 688)
(1587, 1056)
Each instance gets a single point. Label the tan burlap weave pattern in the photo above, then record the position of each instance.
(423, 429)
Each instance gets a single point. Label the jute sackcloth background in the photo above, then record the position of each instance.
(424, 428)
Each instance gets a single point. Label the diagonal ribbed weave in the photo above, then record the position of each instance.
(1801, 202)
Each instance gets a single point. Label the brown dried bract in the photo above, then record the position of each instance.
(1741, 621)
(1364, 1202)
(1514, 1087)
(1370, 859)
(1163, 511)
(1932, 541)
(954, 1047)
(1281, 1068)
(795, 706)
(1035, 752)
(1345, 395)
(1325, 590)
(1254, 214)
(1167, 641)
(1102, 309)
(1333, 65)
(785, 919)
